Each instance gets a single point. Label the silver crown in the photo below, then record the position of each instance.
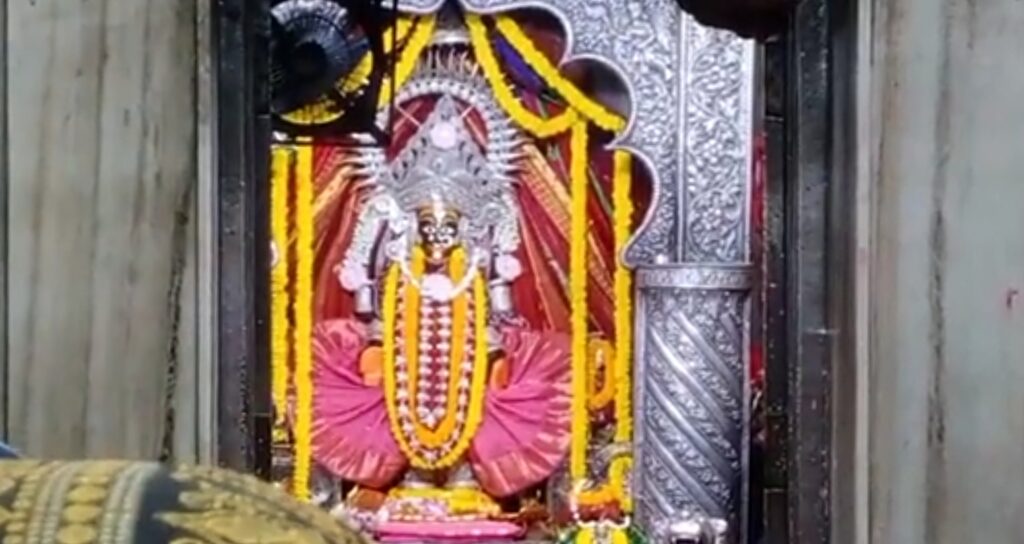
(443, 160)
(442, 163)
(453, 73)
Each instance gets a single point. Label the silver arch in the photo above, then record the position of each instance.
(692, 96)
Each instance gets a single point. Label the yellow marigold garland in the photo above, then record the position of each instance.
(579, 101)
(281, 159)
(617, 488)
(540, 127)
(476, 397)
(303, 319)
(531, 122)
(578, 300)
(622, 205)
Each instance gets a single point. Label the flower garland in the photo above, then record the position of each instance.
(599, 496)
(590, 109)
(303, 319)
(279, 277)
(460, 309)
(476, 397)
(580, 109)
(622, 205)
(599, 531)
(580, 431)
(531, 122)
(410, 303)
(617, 488)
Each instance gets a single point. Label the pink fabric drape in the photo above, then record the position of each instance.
(523, 435)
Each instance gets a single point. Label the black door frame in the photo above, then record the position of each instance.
(241, 31)
(808, 272)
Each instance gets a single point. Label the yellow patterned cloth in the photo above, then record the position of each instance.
(105, 502)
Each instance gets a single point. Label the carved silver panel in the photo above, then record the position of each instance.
(717, 150)
(691, 395)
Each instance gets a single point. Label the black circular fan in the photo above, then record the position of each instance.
(314, 44)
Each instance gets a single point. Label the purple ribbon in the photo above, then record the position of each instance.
(517, 68)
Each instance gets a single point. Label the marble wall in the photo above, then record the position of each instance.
(945, 374)
(101, 140)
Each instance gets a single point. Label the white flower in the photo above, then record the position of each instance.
(438, 287)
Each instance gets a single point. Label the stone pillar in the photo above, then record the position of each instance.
(944, 310)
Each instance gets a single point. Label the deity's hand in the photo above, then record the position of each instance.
(371, 365)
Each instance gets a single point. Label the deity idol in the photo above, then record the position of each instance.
(436, 389)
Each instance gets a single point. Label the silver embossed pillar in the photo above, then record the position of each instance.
(691, 395)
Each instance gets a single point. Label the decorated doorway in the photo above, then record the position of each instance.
(524, 313)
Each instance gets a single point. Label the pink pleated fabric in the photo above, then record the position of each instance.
(523, 435)
(351, 433)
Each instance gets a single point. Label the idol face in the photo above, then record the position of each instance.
(438, 229)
